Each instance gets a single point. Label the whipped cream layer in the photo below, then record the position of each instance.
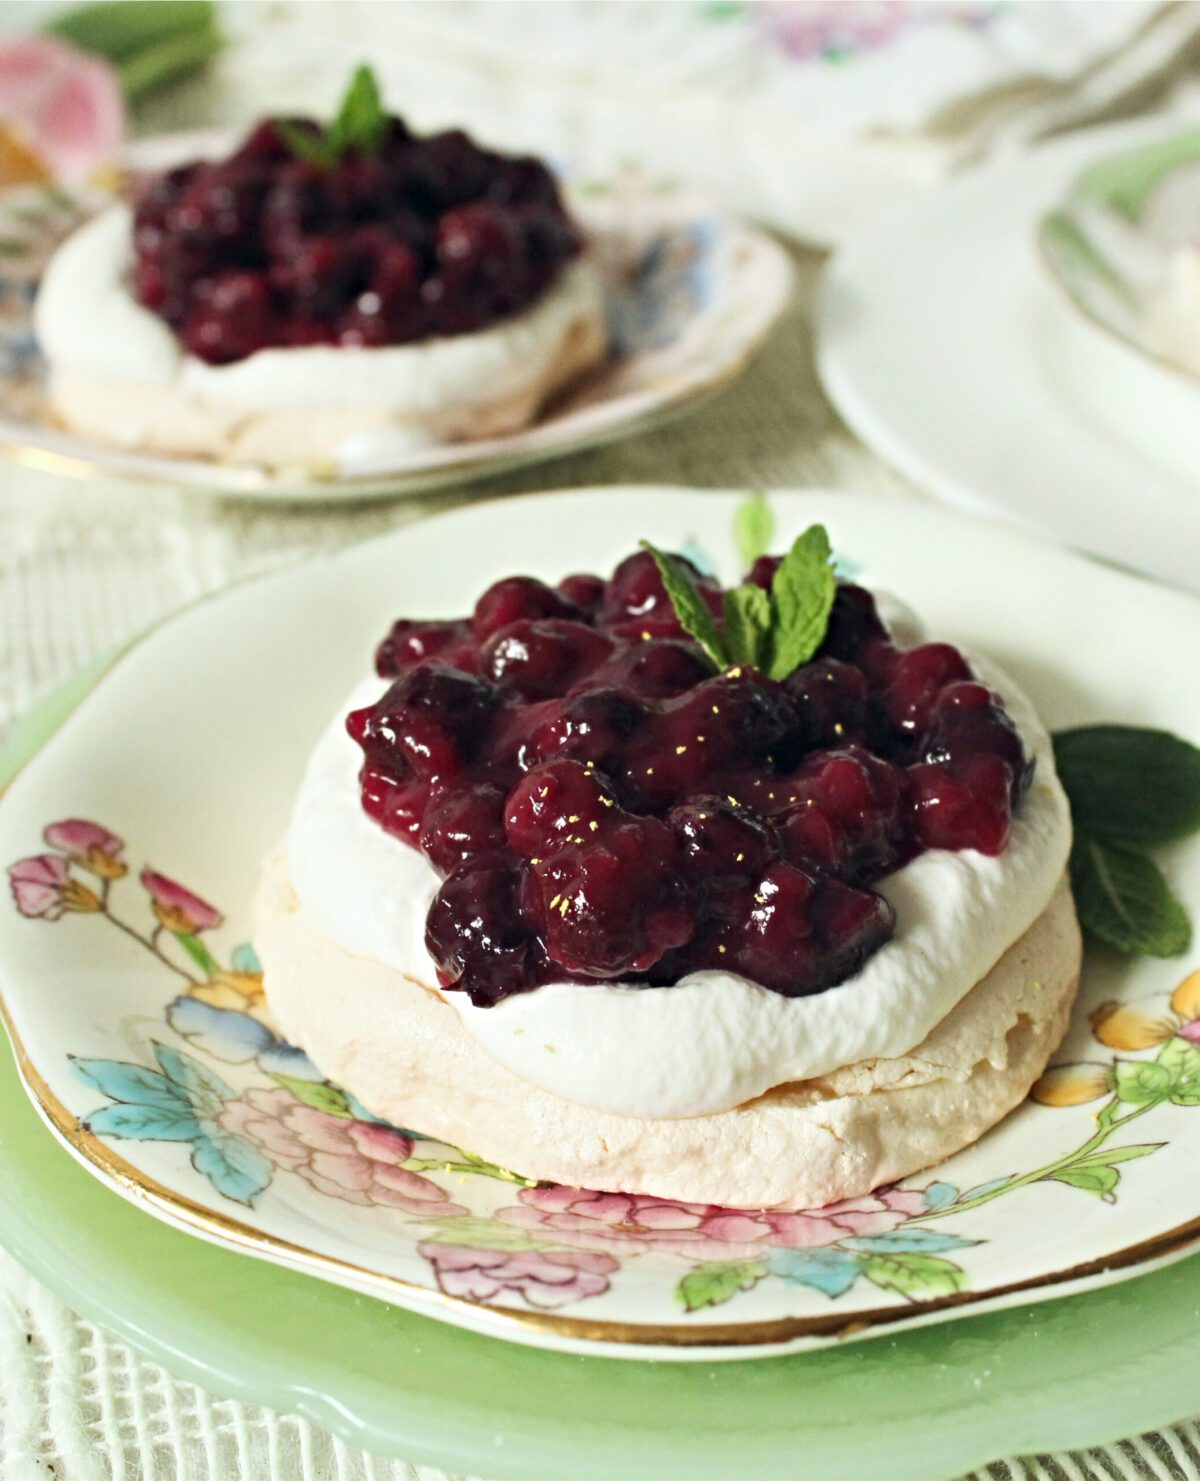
(89, 324)
(714, 1039)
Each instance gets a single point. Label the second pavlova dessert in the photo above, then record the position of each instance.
(742, 897)
(322, 293)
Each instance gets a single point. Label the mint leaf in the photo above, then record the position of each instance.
(801, 596)
(747, 613)
(358, 124)
(1129, 785)
(361, 119)
(690, 607)
(753, 529)
(1123, 899)
(311, 147)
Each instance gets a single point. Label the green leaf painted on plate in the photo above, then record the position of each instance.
(1141, 1082)
(199, 953)
(916, 1277)
(717, 1282)
(1097, 1178)
(318, 1094)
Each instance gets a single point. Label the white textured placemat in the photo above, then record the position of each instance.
(83, 566)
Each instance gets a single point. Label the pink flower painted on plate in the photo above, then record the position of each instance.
(356, 1161)
(805, 30)
(61, 112)
(544, 1278)
(89, 845)
(638, 1222)
(176, 908)
(43, 889)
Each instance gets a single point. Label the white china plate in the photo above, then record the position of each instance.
(691, 295)
(939, 338)
(141, 1039)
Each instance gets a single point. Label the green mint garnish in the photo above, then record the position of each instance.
(1127, 787)
(801, 600)
(753, 529)
(690, 607)
(358, 125)
(1123, 899)
(773, 631)
(747, 618)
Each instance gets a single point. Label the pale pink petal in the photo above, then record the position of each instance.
(332, 1188)
(653, 1214)
(904, 1201)
(380, 1143)
(414, 1187)
(37, 885)
(78, 836)
(804, 1231)
(345, 1172)
(320, 1131)
(734, 1228)
(65, 106)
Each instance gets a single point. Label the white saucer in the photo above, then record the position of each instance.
(935, 344)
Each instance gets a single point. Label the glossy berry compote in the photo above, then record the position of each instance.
(604, 805)
(415, 237)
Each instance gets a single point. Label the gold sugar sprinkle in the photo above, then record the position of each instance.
(679, 750)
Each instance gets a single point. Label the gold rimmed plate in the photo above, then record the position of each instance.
(690, 296)
(131, 992)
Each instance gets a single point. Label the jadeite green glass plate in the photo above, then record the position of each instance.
(924, 1405)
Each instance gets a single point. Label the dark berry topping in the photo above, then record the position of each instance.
(604, 806)
(418, 237)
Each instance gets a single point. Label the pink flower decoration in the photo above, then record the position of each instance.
(545, 1278)
(60, 106)
(356, 1161)
(37, 886)
(78, 837)
(89, 844)
(636, 1221)
(178, 909)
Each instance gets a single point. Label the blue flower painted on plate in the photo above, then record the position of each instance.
(181, 1101)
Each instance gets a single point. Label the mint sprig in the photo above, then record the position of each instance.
(359, 124)
(1123, 898)
(773, 631)
(1128, 786)
(753, 529)
(802, 594)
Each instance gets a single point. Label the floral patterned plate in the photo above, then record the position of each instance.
(691, 297)
(133, 842)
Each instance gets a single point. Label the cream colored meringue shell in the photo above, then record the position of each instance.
(400, 1048)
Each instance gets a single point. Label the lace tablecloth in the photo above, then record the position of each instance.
(83, 566)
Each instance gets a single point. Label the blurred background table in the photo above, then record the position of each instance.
(85, 564)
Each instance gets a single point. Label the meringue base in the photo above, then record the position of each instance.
(402, 1051)
(169, 419)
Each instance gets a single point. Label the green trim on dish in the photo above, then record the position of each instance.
(1122, 182)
